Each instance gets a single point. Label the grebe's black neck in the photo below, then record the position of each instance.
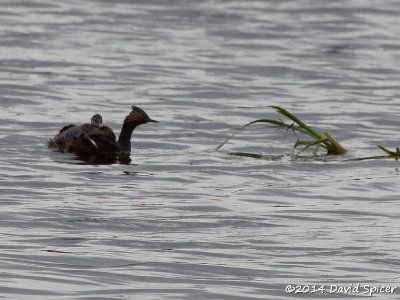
(135, 118)
(124, 139)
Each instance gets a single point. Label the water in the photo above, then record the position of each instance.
(182, 220)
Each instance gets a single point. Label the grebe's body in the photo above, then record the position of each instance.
(101, 139)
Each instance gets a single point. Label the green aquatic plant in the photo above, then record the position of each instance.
(391, 154)
(323, 140)
(259, 156)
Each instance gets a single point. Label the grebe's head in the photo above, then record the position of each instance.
(137, 117)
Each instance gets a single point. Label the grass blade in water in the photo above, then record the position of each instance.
(275, 122)
(309, 130)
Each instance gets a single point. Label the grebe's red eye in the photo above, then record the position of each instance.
(141, 116)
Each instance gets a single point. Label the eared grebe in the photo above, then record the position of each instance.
(95, 122)
(102, 139)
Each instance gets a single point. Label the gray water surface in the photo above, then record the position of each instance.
(183, 220)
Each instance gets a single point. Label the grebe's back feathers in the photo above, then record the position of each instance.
(67, 135)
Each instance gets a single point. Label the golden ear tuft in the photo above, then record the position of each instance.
(133, 116)
(136, 114)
